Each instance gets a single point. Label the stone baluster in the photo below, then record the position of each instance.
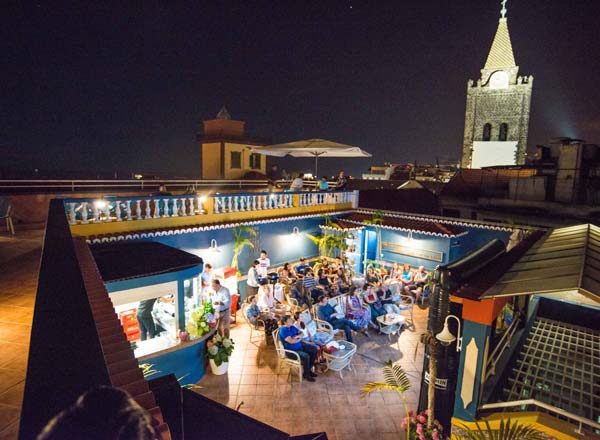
(84, 213)
(183, 207)
(301, 199)
(229, 200)
(147, 208)
(200, 205)
(217, 205)
(118, 210)
(239, 203)
(247, 202)
(165, 208)
(253, 203)
(289, 200)
(95, 213)
(138, 210)
(72, 215)
(156, 208)
(128, 209)
(175, 209)
(107, 218)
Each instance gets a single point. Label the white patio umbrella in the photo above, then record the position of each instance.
(312, 148)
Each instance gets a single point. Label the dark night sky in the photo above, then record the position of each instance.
(99, 87)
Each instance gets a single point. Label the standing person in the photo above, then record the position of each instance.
(222, 304)
(206, 277)
(297, 183)
(263, 264)
(342, 180)
(291, 337)
(145, 319)
(273, 174)
(252, 282)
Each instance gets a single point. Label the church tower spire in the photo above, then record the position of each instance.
(498, 105)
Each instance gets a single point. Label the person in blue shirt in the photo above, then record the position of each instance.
(323, 185)
(300, 268)
(291, 337)
(311, 286)
(326, 312)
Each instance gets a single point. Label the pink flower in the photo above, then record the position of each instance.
(422, 418)
(404, 425)
(419, 429)
(435, 435)
(426, 412)
(422, 436)
(410, 413)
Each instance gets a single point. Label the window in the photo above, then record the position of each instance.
(503, 132)
(255, 161)
(236, 159)
(487, 132)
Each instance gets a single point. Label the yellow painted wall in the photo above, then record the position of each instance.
(238, 173)
(211, 160)
(114, 227)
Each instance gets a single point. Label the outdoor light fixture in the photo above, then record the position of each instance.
(213, 246)
(295, 231)
(447, 338)
(410, 237)
(99, 204)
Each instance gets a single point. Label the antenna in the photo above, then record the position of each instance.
(503, 10)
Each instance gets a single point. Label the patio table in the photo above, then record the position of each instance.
(340, 359)
(390, 324)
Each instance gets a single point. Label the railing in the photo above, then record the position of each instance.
(106, 210)
(122, 185)
(550, 408)
(502, 345)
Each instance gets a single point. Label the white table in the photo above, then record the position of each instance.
(340, 359)
(390, 324)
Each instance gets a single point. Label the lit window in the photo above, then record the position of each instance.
(255, 161)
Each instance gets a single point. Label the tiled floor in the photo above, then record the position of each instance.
(19, 261)
(329, 404)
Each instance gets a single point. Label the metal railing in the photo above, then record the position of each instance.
(503, 344)
(67, 185)
(581, 421)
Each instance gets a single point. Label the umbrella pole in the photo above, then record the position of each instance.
(317, 167)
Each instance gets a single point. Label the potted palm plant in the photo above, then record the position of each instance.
(242, 237)
(219, 351)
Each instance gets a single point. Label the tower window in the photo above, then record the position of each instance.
(236, 159)
(255, 161)
(503, 132)
(487, 132)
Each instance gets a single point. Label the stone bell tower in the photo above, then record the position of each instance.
(498, 106)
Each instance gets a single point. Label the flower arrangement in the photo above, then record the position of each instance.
(203, 319)
(417, 427)
(219, 349)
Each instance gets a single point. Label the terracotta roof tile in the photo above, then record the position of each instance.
(405, 223)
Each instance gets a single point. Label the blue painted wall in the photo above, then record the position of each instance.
(475, 239)
(186, 363)
(419, 241)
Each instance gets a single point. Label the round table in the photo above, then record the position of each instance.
(340, 359)
(390, 324)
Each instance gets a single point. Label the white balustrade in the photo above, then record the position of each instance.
(183, 207)
(72, 215)
(84, 213)
(156, 208)
(174, 212)
(118, 210)
(107, 218)
(166, 208)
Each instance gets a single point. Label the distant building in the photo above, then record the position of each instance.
(225, 149)
(560, 185)
(497, 110)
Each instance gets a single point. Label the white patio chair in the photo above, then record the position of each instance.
(288, 357)
(256, 329)
(407, 306)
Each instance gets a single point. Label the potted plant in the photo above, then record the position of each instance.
(219, 350)
(203, 319)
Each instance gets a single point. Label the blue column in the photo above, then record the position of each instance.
(475, 339)
(181, 304)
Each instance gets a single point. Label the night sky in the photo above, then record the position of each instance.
(125, 86)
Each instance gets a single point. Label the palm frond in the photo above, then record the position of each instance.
(371, 387)
(507, 430)
(396, 376)
(315, 239)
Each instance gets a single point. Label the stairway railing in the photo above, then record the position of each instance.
(502, 345)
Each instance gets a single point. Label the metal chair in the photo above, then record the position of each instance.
(254, 327)
(407, 304)
(288, 357)
(6, 210)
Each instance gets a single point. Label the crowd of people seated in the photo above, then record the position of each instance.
(398, 280)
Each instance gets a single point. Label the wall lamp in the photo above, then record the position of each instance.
(447, 338)
(295, 231)
(213, 246)
(410, 237)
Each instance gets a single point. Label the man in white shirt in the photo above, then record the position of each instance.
(222, 303)
(263, 264)
(252, 282)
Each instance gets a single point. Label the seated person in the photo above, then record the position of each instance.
(311, 286)
(371, 278)
(257, 317)
(394, 273)
(326, 312)
(323, 280)
(386, 298)
(406, 277)
(266, 300)
(308, 327)
(292, 340)
(370, 297)
(420, 279)
(355, 311)
(300, 268)
(286, 273)
(341, 281)
(296, 293)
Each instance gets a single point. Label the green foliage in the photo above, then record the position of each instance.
(376, 219)
(242, 237)
(219, 349)
(148, 370)
(395, 380)
(506, 431)
(330, 245)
